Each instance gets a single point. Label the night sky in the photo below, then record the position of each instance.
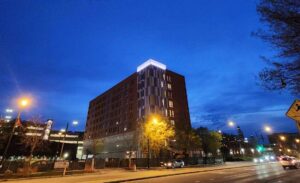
(64, 53)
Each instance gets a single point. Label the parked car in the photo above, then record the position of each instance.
(174, 164)
(289, 161)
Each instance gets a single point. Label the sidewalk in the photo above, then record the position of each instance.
(118, 175)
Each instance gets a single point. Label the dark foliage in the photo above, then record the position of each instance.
(283, 20)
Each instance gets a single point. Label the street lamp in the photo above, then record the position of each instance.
(282, 138)
(297, 141)
(231, 123)
(268, 129)
(8, 110)
(65, 131)
(22, 103)
(75, 123)
(66, 155)
(154, 121)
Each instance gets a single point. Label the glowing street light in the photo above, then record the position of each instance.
(297, 141)
(282, 138)
(23, 102)
(154, 121)
(9, 110)
(75, 122)
(66, 155)
(288, 150)
(231, 123)
(268, 129)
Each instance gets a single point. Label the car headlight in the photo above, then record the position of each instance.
(261, 160)
(255, 160)
(169, 164)
(272, 157)
(293, 161)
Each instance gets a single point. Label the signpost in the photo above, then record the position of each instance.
(61, 165)
(294, 113)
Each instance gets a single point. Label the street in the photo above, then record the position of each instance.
(231, 172)
(262, 173)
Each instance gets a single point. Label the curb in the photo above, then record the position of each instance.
(183, 173)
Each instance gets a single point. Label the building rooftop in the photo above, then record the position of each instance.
(151, 62)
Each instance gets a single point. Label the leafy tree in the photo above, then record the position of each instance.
(283, 20)
(214, 142)
(156, 132)
(211, 140)
(188, 141)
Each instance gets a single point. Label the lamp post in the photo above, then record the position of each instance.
(63, 141)
(22, 103)
(65, 131)
(75, 123)
(154, 121)
(267, 129)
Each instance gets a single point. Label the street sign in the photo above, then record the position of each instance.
(294, 111)
(61, 164)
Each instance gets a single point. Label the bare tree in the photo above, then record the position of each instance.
(32, 140)
(283, 20)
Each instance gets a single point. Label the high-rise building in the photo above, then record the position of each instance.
(114, 116)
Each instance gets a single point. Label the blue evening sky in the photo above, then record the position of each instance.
(64, 53)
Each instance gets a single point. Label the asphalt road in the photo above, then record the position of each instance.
(263, 173)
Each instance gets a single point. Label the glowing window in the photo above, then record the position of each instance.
(171, 103)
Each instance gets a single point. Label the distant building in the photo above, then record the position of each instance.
(70, 139)
(73, 140)
(285, 143)
(29, 128)
(114, 116)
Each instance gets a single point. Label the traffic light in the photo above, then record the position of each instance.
(260, 148)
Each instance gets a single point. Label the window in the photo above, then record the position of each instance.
(162, 84)
(169, 86)
(171, 103)
(169, 78)
(169, 94)
(171, 112)
(172, 122)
